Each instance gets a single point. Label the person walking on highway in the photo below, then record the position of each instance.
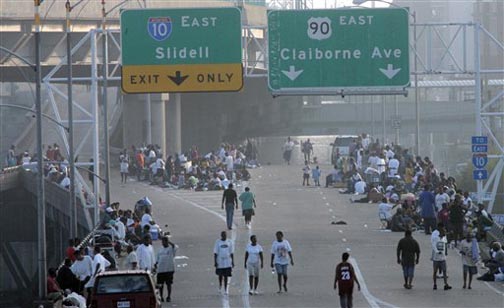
(281, 253)
(248, 204)
(230, 198)
(145, 254)
(253, 254)
(306, 173)
(316, 176)
(165, 265)
(287, 150)
(439, 253)
(124, 167)
(469, 250)
(223, 260)
(408, 254)
(345, 278)
(307, 149)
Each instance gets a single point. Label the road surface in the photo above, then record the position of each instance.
(304, 214)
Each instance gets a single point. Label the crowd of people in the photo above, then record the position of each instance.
(55, 165)
(123, 237)
(387, 175)
(422, 198)
(190, 169)
(394, 178)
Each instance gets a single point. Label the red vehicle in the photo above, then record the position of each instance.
(125, 289)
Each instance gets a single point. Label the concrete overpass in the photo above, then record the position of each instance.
(18, 240)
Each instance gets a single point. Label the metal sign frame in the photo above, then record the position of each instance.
(449, 63)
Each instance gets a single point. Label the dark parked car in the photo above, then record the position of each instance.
(125, 289)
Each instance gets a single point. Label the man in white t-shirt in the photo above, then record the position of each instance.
(360, 187)
(131, 259)
(160, 167)
(373, 161)
(385, 210)
(229, 161)
(381, 164)
(82, 269)
(121, 228)
(281, 253)
(467, 202)
(287, 148)
(253, 254)
(393, 166)
(389, 154)
(145, 254)
(306, 173)
(439, 252)
(146, 219)
(99, 265)
(223, 260)
(152, 155)
(165, 264)
(441, 197)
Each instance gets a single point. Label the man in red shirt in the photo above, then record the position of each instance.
(345, 278)
(54, 292)
(70, 251)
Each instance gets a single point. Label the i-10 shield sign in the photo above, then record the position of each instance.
(159, 28)
(480, 160)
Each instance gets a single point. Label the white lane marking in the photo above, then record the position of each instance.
(373, 301)
(245, 282)
(200, 207)
(234, 236)
(494, 289)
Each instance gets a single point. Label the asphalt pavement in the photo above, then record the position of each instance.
(304, 214)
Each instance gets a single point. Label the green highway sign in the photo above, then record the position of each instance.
(181, 50)
(334, 50)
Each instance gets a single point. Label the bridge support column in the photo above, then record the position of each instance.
(173, 117)
(158, 122)
(134, 122)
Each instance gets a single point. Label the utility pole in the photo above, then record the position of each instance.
(41, 215)
(105, 107)
(384, 124)
(148, 110)
(73, 204)
(417, 103)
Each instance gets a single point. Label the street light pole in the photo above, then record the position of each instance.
(41, 215)
(417, 104)
(73, 203)
(148, 109)
(105, 107)
(384, 124)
